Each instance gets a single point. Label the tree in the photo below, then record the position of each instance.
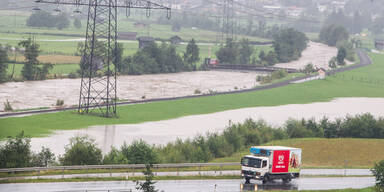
(289, 44)
(31, 53)
(41, 19)
(44, 158)
(271, 58)
(228, 53)
(3, 65)
(16, 152)
(45, 19)
(309, 68)
(62, 21)
(81, 150)
(378, 172)
(333, 63)
(341, 54)
(148, 185)
(332, 34)
(118, 54)
(191, 56)
(139, 152)
(77, 23)
(245, 52)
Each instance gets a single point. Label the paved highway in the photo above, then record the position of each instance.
(196, 185)
(304, 172)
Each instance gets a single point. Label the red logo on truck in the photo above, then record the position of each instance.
(280, 162)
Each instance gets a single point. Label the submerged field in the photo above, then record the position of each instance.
(329, 153)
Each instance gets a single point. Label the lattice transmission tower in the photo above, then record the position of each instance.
(228, 22)
(98, 89)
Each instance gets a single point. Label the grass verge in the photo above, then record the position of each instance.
(329, 153)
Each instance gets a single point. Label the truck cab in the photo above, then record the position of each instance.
(253, 167)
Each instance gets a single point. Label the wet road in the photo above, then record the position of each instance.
(197, 185)
(303, 172)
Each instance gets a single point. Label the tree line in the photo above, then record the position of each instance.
(83, 150)
(154, 59)
(46, 19)
(288, 44)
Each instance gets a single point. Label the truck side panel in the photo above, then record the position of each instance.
(280, 161)
(295, 161)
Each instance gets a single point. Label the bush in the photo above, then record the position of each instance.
(7, 106)
(139, 152)
(297, 129)
(81, 150)
(16, 152)
(378, 172)
(44, 158)
(72, 75)
(197, 91)
(59, 103)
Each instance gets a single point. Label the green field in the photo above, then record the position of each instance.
(329, 153)
(362, 82)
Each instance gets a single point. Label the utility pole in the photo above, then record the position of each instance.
(98, 89)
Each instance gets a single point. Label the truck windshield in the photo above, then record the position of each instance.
(251, 162)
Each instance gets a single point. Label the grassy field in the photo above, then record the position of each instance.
(347, 84)
(58, 69)
(329, 153)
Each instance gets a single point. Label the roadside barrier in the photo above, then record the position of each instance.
(110, 167)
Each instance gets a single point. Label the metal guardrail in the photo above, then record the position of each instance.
(252, 68)
(129, 166)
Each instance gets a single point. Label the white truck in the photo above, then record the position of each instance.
(267, 163)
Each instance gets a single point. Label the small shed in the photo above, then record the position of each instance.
(144, 41)
(379, 44)
(127, 35)
(175, 40)
(322, 73)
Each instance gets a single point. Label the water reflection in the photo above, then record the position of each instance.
(268, 186)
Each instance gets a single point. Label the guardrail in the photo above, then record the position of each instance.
(110, 167)
(252, 68)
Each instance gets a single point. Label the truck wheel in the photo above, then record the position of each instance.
(286, 180)
(247, 180)
(265, 180)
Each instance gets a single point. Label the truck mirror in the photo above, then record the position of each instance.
(241, 161)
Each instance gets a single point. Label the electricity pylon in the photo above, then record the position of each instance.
(98, 89)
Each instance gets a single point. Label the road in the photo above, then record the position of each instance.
(196, 185)
(304, 172)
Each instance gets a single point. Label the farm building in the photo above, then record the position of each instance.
(127, 35)
(379, 44)
(175, 40)
(144, 41)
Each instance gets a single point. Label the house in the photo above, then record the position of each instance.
(175, 40)
(127, 35)
(144, 41)
(379, 44)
